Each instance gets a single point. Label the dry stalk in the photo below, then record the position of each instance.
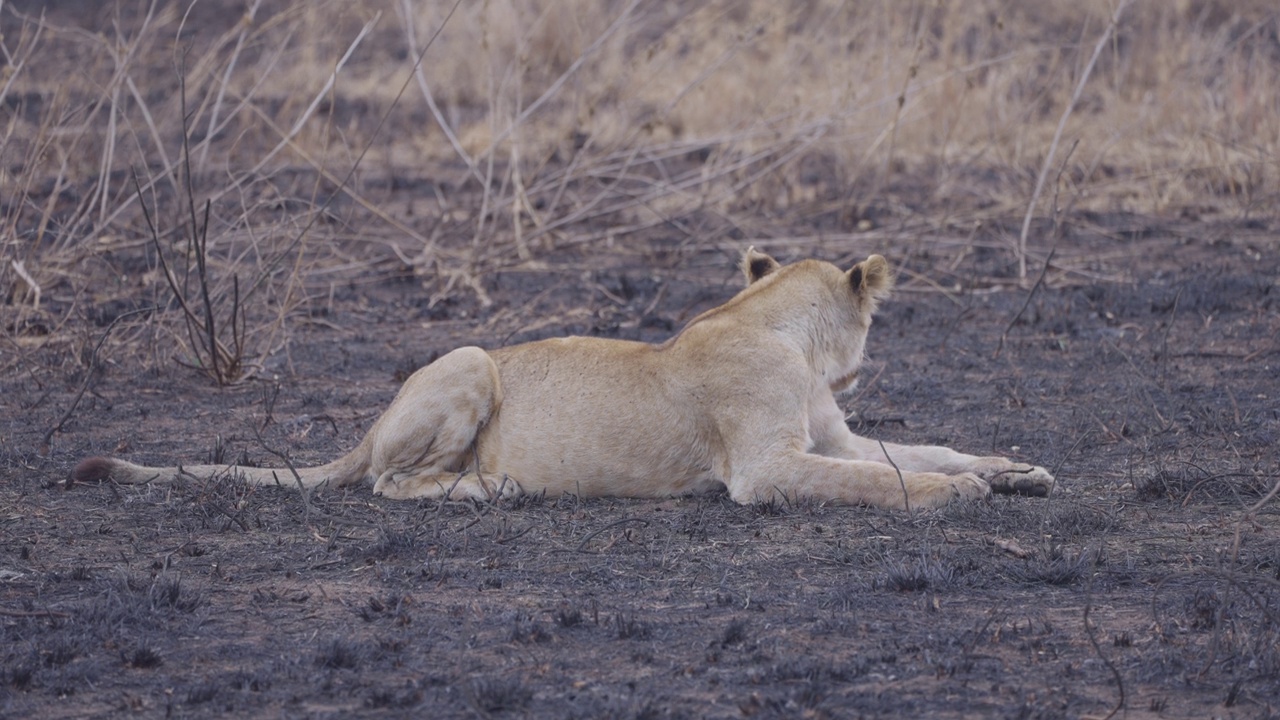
(220, 353)
(487, 184)
(725, 56)
(900, 104)
(1057, 135)
(342, 184)
(906, 497)
(1052, 496)
(245, 24)
(302, 119)
(6, 612)
(114, 110)
(156, 139)
(221, 363)
(88, 377)
(759, 164)
(1093, 641)
(559, 82)
(265, 69)
(1249, 514)
(514, 191)
(16, 59)
(582, 546)
(406, 14)
(1044, 271)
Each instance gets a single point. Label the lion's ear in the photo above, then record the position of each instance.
(871, 277)
(756, 264)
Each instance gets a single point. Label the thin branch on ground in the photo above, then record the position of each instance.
(593, 534)
(906, 498)
(1093, 640)
(88, 377)
(1039, 281)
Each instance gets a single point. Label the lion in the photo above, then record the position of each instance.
(742, 398)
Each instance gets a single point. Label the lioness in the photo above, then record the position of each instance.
(743, 397)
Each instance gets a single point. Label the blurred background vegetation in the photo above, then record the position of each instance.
(327, 152)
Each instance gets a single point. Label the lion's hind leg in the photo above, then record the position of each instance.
(425, 439)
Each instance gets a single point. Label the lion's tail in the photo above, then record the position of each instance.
(350, 468)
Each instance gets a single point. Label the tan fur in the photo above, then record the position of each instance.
(743, 397)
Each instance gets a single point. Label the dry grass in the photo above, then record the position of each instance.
(531, 127)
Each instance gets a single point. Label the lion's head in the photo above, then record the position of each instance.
(821, 308)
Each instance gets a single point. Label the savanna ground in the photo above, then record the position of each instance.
(1081, 202)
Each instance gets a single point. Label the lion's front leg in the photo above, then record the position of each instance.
(1005, 476)
(833, 438)
(789, 475)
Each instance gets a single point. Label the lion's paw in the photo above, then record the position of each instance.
(968, 486)
(388, 487)
(1011, 478)
(931, 490)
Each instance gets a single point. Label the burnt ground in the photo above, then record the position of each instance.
(1143, 371)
